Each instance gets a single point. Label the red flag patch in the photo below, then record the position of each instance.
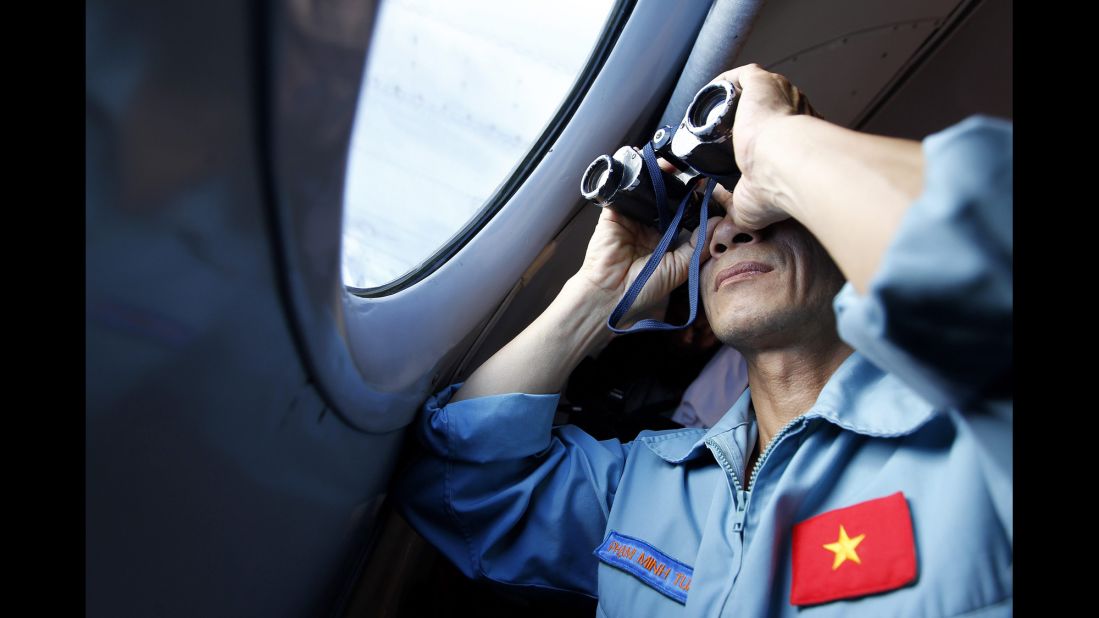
(854, 551)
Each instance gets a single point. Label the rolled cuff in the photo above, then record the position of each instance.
(493, 428)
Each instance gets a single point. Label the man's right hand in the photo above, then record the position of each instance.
(849, 189)
(540, 358)
(764, 98)
(619, 249)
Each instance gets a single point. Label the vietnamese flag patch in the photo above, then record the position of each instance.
(854, 551)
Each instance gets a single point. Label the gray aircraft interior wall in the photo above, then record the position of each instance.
(843, 53)
(218, 482)
(224, 473)
(969, 73)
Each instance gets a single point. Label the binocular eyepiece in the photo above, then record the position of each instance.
(702, 145)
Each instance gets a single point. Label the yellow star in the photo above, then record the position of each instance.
(845, 548)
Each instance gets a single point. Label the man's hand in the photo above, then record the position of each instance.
(764, 98)
(849, 189)
(540, 358)
(617, 252)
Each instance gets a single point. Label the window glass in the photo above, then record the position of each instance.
(455, 94)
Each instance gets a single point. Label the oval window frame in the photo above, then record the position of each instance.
(616, 21)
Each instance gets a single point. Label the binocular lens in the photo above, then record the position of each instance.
(701, 146)
(711, 109)
(601, 179)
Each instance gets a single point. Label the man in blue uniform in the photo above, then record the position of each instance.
(867, 469)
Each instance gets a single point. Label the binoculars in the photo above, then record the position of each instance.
(702, 145)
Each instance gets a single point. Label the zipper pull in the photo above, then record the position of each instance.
(741, 511)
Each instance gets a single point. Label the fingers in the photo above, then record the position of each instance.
(723, 197)
(738, 75)
(742, 217)
(754, 76)
(751, 211)
(613, 218)
(608, 214)
(745, 205)
(684, 251)
(674, 268)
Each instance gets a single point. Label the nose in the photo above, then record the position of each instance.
(727, 235)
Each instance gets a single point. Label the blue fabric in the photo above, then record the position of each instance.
(507, 498)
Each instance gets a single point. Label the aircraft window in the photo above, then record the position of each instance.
(454, 98)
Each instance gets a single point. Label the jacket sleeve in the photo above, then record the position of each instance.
(938, 313)
(507, 497)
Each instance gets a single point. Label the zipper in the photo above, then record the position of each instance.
(741, 511)
(770, 447)
(743, 495)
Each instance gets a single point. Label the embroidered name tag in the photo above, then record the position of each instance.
(647, 563)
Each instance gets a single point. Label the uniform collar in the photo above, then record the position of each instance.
(677, 446)
(858, 397)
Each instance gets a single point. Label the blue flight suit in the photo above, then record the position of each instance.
(923, 407)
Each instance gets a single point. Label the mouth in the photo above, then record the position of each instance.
(739, 272)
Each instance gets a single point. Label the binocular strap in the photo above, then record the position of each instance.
(671, 230)
(648, 155)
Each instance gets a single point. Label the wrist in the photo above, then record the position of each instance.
(580, 312)
(779, 151)
(580, 294)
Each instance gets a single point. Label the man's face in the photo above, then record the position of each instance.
(768, 288)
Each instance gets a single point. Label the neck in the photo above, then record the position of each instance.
(786, 382)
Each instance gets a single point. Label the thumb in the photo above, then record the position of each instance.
(747, 211)
(723, 197)
(684, 251)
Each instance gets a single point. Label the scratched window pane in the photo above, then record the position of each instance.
(455, 94)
